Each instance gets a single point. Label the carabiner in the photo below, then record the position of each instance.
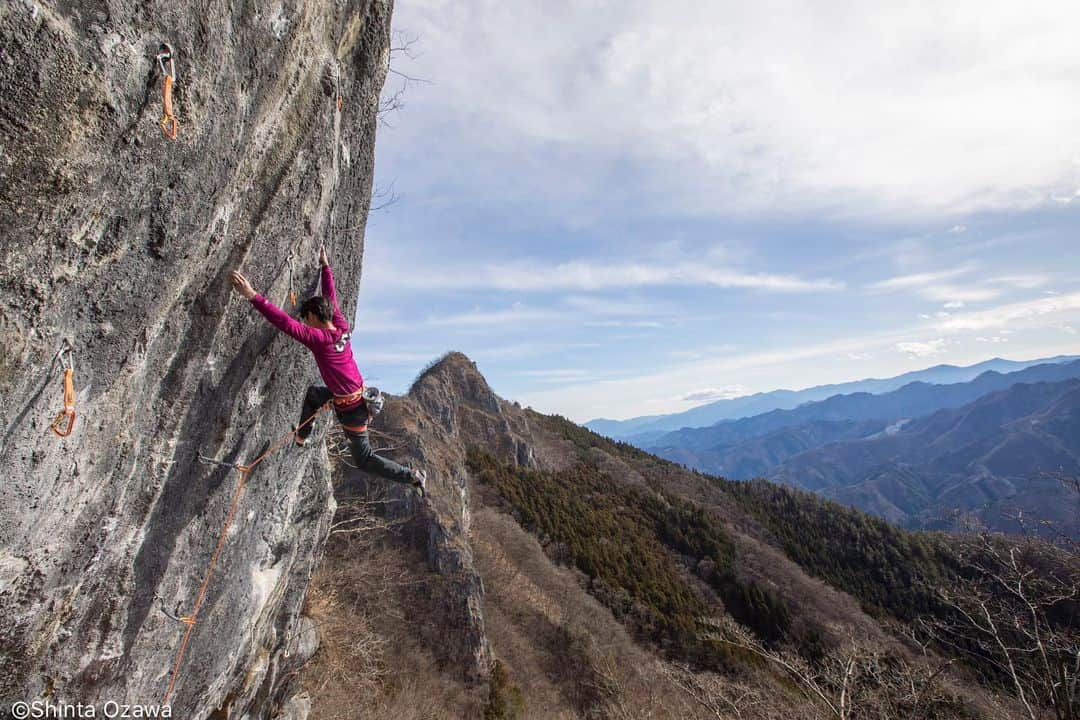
(292, 284)
(66, 348)
(170, 55)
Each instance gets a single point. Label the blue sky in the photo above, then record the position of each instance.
(626, 208)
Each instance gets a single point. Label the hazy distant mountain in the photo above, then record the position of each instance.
(1001, 453)
(758, 456)
(646, 429)
(752, 447)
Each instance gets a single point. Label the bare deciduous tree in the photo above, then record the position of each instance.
(403, 47)
(859, 681)
(1016, 612)
(719, 696)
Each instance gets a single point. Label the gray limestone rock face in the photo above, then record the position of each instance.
(121, 241)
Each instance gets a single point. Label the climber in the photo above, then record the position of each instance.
(325, 333)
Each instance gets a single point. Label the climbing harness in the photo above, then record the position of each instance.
(245, 472)
(343, 401)
(169, 124)
(68, 413)
(373, 403)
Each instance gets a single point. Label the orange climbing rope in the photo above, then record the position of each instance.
(245, 473)
(68, 413)
(169, 124)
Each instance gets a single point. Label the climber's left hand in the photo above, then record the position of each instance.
(323, 260)
(241, 285)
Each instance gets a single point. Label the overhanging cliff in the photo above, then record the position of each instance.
(121, 240)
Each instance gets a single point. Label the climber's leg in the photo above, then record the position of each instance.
(315, 398)
(366, 459)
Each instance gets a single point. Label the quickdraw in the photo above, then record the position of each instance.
(292, 284)
(170, 126)
(67, 415)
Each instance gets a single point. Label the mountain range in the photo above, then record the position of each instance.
(886, 453)
(1005, 453)
(646, 429)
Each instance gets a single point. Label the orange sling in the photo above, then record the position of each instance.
(169, 124)
(68, 413)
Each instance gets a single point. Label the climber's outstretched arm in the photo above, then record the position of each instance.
(329, 291)
(275, 315)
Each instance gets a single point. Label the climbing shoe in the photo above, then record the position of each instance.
(300, 442)
(419, 481)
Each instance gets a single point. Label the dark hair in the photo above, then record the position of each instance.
(318, 306)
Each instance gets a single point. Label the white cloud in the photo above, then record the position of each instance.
(923, 349)
(892, 108)
(562, 373)
(959, 294)
(1066, 199)
(995, 339)
(557, 375)
(1012, 313)
(1024, 282)
(395, 358)
(954, 304)
(916, 280)
(709, 394)
(626, 323)
(600, 305)
(642, 394)
(515, 314)
(585, 275)
(936, 286)
(788, 365)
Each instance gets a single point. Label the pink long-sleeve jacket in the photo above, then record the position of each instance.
(332, 348)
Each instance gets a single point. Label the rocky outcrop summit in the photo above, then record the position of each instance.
(120, 240)
(448, 408)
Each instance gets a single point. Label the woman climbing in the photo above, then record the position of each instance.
(325, 333)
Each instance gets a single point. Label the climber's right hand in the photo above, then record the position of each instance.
(241, 285)
(323, 260)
